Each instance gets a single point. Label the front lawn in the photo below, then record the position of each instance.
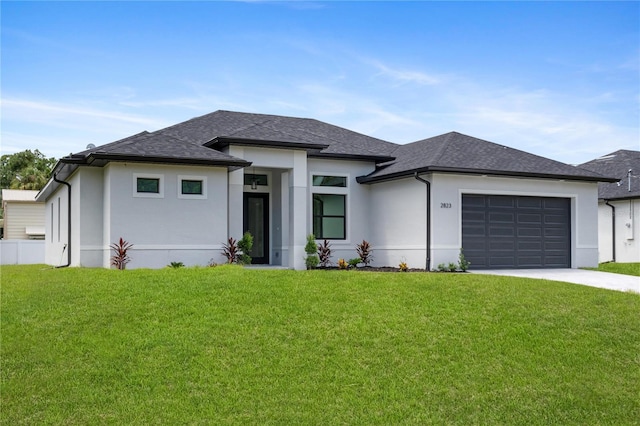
(619, 268)
(227, 345)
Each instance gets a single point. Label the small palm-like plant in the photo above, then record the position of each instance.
(230, 250)
(364, 251)
(324, 253)
(343, 264)
(120, 257)
(403, 267)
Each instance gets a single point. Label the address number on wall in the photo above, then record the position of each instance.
(445, 205)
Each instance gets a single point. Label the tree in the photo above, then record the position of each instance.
(25, 170)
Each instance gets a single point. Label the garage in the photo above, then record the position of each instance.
(516, 232)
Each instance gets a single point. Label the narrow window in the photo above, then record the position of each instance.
(191, 187)
(51, 222)
(148, 185)
(58, 219)
(329, 216)
(260, 180)
(333, 181)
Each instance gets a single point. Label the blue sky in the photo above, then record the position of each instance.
(558, 79)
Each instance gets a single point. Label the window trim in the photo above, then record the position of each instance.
(202, 196)
(159, 194)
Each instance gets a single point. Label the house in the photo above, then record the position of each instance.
(178, 193)
(618, 206)
(23, 215)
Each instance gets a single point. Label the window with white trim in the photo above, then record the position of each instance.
(148, 185)
(192, 187)
(329, 206)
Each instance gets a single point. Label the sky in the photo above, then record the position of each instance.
(557, 79)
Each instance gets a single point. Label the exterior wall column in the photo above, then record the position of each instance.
(298, 210)
(235, 207)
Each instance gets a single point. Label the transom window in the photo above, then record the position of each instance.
(260, 180)
(191, 187)
(329, 216)
(148, 185)
(332, 181)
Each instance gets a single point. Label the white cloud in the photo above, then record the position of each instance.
(406, 76)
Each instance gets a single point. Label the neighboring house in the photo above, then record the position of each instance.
(23, 215)
(178, 193)
(618, 206)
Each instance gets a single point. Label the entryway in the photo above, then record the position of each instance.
(256, 221)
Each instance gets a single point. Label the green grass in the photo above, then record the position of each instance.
(619, 268)
(228, 345)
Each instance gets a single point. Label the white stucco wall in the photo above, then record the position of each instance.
(627, 231)
(165, 228)
(56, 227)
(358, 211)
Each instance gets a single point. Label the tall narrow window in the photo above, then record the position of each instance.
(58, 219)
(329, 216)
(51, 230)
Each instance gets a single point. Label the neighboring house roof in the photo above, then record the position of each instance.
(618, 164)
(457, 153)
(19, 195)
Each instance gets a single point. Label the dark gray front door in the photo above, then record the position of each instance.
(256, 221)
(505, 232)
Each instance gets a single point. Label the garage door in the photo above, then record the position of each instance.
(516, 232)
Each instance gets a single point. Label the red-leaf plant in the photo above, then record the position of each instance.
(324, 253)
(120, 258)
(231, 251)
(364, 251)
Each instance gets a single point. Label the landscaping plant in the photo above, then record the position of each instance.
(324, 253)
(230, 250)
(245, 245)
(463, 263)
(121, 257)
(364, 250)
(343, 264)
(312, 260)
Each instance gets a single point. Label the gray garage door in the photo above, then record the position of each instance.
(516, 232)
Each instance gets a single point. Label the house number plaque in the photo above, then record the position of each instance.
(445, 205)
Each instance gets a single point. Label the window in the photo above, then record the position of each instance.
(147, 185)
(192, 187)
(329, 214)
(333, 181)
(260, 180)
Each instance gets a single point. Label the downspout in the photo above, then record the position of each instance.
(68, 245)
(613, 228)
(428, 241)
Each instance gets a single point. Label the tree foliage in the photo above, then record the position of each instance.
(25, 170)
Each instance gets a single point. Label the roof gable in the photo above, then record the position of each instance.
(457, 153)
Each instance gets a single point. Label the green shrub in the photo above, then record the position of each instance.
(245, 245)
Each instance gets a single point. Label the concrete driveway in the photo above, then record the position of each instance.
(576, 276)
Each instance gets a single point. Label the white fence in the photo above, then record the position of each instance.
(21, 252)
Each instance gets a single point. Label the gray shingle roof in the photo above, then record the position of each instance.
(455, 152)
(156, 147)
(617, 164)
(328, 140)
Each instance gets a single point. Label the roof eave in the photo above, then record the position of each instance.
(165, 160)
(222, 142)
(374, 158)
(498, 173)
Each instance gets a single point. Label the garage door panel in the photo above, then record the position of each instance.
(501, 231)
(499, 202)
(515, 232)
(528, 203)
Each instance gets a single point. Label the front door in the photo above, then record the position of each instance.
(256, 221)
